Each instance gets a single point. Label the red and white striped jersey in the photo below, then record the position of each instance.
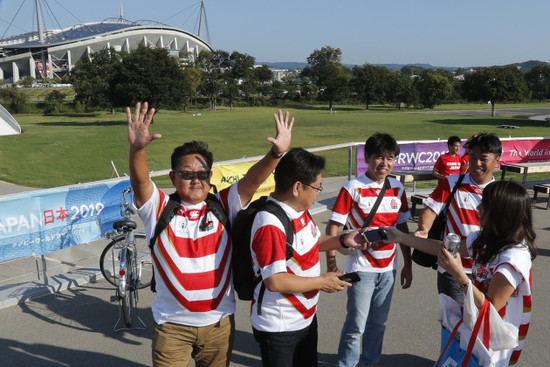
(284, 311)
(353, 205)
(192, 263)
(516, 265)
(462, 217)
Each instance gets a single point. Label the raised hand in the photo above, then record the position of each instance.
(138, 126)
(281, 142)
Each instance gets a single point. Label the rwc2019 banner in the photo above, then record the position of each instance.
(422, 155)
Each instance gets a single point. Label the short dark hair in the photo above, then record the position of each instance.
(453, 139)
(297, 165)
(380, 143)
(192, 147)
(487, 143)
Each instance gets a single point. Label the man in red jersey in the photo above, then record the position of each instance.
(194, 304)
(450, 162)
(463, 216)
(283, 314)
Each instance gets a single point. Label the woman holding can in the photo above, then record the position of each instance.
(502, 250)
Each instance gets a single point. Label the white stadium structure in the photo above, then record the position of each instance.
(26, 54)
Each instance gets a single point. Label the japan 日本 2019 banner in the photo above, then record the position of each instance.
(39, 222)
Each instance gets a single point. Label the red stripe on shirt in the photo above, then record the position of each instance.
(193, 306)
(196, 281)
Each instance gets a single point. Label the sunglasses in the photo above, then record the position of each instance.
(189, 175)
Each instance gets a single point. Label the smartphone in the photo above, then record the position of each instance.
(350, 277)
(375, 235)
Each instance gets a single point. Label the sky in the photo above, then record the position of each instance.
(437, 32)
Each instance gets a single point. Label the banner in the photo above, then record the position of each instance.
(422, 155)
(226, 175)
(39, 222)
(525, 150)
(412, 156)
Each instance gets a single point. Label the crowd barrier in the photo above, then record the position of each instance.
(38, 222)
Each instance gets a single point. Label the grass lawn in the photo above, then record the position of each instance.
(71, 148)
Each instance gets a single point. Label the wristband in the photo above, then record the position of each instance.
(274, 155)
(463, 286)
(342, 238)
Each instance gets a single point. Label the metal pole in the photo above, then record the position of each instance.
(350, 161)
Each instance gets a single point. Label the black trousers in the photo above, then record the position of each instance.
(290, 348)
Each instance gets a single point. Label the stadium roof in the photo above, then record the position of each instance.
(75, 33)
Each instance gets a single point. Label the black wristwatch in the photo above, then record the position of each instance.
(274, 155)
(342, 238)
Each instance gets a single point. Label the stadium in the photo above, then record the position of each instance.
(52, 53)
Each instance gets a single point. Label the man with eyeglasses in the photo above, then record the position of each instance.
(284, 306)
(194, 304)
(369, 300)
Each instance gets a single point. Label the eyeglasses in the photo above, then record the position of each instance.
(189, 175)
(318, 189)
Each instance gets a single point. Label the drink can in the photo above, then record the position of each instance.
(452, 243)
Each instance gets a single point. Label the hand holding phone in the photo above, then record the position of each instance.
(375, 235)
(350, 277)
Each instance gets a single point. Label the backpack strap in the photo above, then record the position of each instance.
(166, 216)
(376, 203)
(213, 205)
(272, 207)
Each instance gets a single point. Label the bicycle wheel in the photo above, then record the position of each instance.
(128, 300)
(109, 261)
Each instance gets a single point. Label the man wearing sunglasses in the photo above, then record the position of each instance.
(194, 304)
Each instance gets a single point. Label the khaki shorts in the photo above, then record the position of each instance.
(175, 345)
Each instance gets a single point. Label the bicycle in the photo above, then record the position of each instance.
(126, 263)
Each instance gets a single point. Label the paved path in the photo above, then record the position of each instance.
(74, 327)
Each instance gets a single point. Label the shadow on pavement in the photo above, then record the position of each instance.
(46, 355)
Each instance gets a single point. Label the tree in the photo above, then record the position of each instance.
(538, 81)
(433, 88)
(369, 82)
(495, 84)
(308, 90)
(54, 102)
(212, 65)
(91, 78)
(117, 79)
(328, 71)
(14, 99)
(400, 89)
(411, 70)
(148, 74)
(239, 68)
(191, 82)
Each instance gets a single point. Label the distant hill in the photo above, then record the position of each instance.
(525, 66)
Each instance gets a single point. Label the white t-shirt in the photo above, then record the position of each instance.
(516, 265)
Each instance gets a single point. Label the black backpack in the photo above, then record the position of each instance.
(244, 279)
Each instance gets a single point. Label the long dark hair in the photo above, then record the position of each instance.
(508, 221)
